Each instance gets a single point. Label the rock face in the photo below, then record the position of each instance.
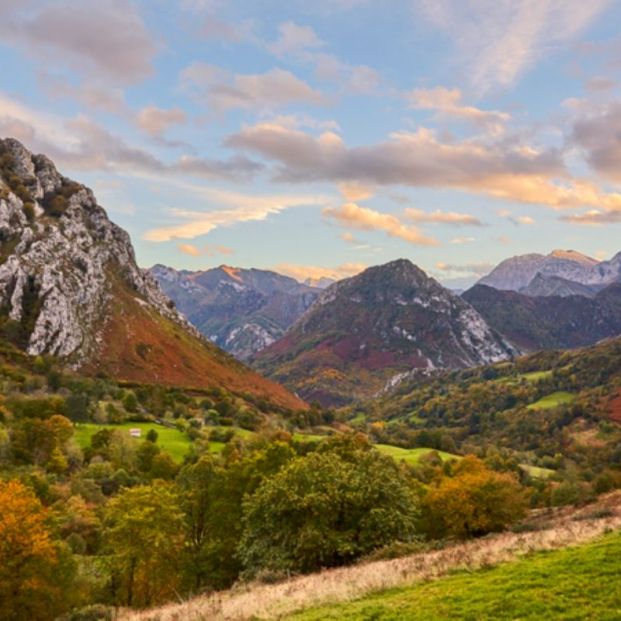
(240, 310)
(366, 332)
(70, 287)
(549, 322)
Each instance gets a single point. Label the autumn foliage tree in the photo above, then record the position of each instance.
(35, 573)
(474, 501)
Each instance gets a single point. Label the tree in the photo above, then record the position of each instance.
(130, 403)
(474, 502)
(327, 509)
(212, 497)
(35, 571)
(144, 532)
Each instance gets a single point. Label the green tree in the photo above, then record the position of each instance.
(144, 533)
(327, 509)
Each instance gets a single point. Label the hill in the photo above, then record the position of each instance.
(240, 310)
(548, 322)
(492, 584)
(70, 287)
(368, 331)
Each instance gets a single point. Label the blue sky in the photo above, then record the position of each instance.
(317, 138)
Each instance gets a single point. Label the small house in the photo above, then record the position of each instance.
(135, 432)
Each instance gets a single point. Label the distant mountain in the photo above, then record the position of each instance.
(517, 273)
(366, 332)
(241, 310)
(545, 286)
(533, 323)
(70, 287)
(320, 282)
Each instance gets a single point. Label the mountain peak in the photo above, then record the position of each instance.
(367, 331)
(70, 287)
(573, 255)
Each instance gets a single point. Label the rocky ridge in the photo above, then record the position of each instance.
(240, 310)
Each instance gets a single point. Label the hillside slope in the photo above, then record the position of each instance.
(70, 287)
(240, 310)
(548, 322)
(365, 331)
(340, 592)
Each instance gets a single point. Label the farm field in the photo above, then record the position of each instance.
(411, 456)
(573, 583)
(171, 440)
(553, 400)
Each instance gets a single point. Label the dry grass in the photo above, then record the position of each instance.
(553, 529)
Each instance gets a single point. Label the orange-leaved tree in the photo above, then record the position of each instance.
(474, 501)
(34, 571)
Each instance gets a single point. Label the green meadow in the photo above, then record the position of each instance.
(576, 583)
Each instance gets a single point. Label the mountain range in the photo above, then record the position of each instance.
(240, 310)
(70, 287)
(557, 273)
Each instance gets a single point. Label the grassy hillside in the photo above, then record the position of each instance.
(140, 345)
(560, 564)
(575, 583)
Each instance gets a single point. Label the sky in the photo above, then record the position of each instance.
(318, 138)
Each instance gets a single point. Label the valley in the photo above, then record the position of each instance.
(425, 416)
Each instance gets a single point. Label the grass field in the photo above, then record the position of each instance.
(553, 400)
(171, 440)
(411, 456)
(574, 583)
(537, 472)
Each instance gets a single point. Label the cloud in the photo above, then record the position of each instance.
(223, 90)
(354, 192)
(351, 79)
(294, 40)
(507, 169)
(215, 29)
(93, 94)
(240, 208)
(517, 220)
(594, 217)
(497, 42)
(302, 272)
(155, 121)
(441, 217)
(597, 135)
(351, 215)
(81, 144)
(448, 102)
(462, 240)
(104, 39)
(468, 269)
(209, 251)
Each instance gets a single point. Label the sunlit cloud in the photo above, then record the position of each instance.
(351, 215)
(189, 224)
(448, 103)
(316, 272)
(441, 217)
(209, 251)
